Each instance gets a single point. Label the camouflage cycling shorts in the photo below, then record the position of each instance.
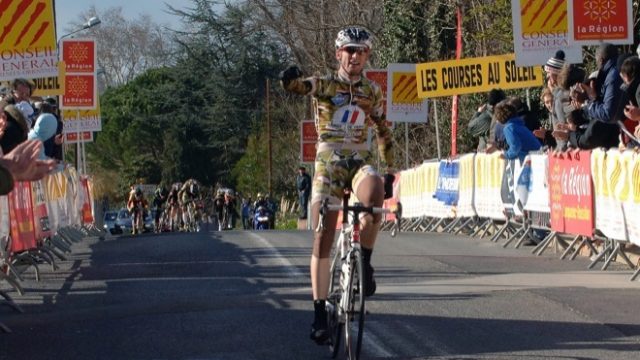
(337, 169)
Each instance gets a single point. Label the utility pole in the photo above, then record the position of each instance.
(269, 141)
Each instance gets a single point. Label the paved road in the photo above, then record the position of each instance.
(245, 296)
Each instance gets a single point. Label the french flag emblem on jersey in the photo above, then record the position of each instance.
(350, 116)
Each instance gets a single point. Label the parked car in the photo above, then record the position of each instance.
(109, 221)
(149, 221)
(124, 221)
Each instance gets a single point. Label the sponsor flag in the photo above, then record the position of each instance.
(27, 39)
(404, 105)
(308, 140)
(540, 29)
(23, 234)
(592, 22)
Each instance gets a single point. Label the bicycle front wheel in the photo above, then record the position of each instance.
(354, 324)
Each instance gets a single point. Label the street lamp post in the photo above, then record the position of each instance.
(93, 21)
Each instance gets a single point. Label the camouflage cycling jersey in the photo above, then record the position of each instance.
(185, 194)
(345, 110)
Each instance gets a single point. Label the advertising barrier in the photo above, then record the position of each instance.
(448, 186)
(606, 169)
(489, 170)
(465, 206)
(35, 210)
(631, 198)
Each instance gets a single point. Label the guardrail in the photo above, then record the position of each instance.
(572, 200)
(39, 221)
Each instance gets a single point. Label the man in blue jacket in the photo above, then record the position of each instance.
(600, 102)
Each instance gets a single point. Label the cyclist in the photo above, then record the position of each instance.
(136, 206)
(172, 201)
(188, 195)
(218, 207)
(346, 103)
(261, 202)
(159, 198)
(231, 214)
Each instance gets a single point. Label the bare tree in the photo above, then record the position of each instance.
(308, 28)
(128, 47)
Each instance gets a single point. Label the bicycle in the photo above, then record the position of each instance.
(345, 303)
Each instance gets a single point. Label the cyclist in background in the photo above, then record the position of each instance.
(188, 195)
(346, 104)
(172, 200)
(136, 206)
(218, 208)
(159, 198)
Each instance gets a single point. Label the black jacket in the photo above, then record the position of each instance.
(595, 134)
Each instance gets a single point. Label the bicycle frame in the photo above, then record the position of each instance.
(348, 256)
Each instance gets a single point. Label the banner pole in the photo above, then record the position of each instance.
(78, 151)
(435, 115)
(84, 159)
(406, 145)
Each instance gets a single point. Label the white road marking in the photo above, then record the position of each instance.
(372, 344)
(290, 269)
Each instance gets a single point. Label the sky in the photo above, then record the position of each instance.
(67, 11)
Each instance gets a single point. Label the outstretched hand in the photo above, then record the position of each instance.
(291, 73)
(24, 164)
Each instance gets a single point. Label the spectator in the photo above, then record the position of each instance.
(586, 134)
(22, 164)
(273, 210)
(15, 127)
(600, 101)
(630, 74)
(570, 76)
(303, 183)
(552, 69)
(44, 128)
(518, 138)
(481, 123)
(543, 133)
(529, 119)
(53, 146)
(246, 213)
(21, 90)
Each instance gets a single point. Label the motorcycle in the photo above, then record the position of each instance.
(261, 218)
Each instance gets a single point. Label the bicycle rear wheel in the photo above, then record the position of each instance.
(354, 324)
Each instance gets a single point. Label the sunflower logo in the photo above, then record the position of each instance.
(600, 10)
(78, 52)
(78, 86)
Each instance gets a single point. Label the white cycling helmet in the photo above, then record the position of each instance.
(353, 36)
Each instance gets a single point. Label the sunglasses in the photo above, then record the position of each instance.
(353, 49)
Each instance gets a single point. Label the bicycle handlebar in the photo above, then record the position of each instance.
(357, 208)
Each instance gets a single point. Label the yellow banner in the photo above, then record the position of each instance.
(45, 86)
(475, 75)
(26, 25)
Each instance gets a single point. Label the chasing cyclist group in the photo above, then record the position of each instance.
(188, 206)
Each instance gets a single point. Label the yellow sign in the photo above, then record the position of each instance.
(538, 17)
(82, 120)
(404, 88)
(475, 75)
(26, 25)
(45, 86)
